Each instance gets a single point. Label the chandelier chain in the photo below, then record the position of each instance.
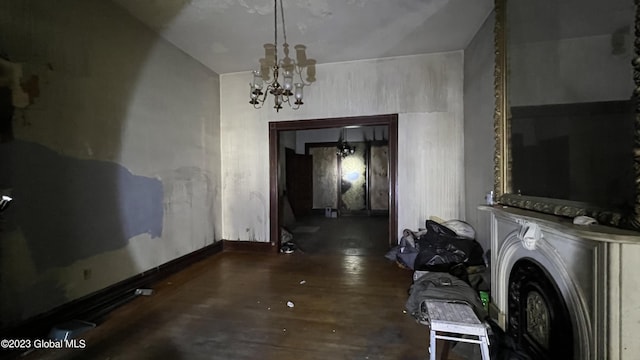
(275, 28)
(284, 28)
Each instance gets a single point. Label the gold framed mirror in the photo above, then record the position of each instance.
(567, 120)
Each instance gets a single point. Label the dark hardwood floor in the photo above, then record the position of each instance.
(233, 305)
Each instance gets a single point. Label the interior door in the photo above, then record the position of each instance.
(379, 178)
(299, 182)
(353, 181)
(325, 177)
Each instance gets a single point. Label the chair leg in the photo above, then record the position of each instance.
(432, 345)
(484, 348)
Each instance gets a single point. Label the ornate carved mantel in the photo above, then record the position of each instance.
(594, 268)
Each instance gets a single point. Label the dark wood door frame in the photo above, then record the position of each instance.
(390, 120)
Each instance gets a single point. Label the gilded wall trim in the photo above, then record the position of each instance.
(500, 87)
(634, 221)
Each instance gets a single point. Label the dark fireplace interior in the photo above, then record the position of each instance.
(539, 320)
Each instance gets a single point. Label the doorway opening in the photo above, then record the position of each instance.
(277, 174)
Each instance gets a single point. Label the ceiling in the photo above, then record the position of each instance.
(228, 35)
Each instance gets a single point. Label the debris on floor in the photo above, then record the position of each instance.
(145, 292)
(288, 247)
(70, 329)
(290, 304)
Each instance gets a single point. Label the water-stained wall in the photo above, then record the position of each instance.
(427, 95)
(478, 128)
(114, 166)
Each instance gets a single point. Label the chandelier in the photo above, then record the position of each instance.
(284, 90)
(344, 149)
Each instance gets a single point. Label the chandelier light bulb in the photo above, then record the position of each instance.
(257, 80)
(298, 93)
(287, 83)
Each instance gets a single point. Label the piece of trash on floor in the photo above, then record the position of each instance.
(145, 292)
(290, 304)
(288, 247)
(303, 282)
(283, 330)
(269, 308)
(70, 329)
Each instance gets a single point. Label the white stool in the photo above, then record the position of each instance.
(455, 318)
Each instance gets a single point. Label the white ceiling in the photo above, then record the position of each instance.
(228, 35)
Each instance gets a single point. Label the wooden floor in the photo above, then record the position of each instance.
(233, 306)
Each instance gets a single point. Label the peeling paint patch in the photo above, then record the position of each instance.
(188, 206)
(358, 3)
(302, 27)
(70, 209)
(261, 9)
(219, 48)
(317, 9)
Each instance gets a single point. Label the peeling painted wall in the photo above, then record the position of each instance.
(426, 92)
(115, 166)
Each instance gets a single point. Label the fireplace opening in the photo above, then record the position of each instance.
(538, 319)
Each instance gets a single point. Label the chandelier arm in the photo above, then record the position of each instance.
(258, 105)
(298, 70)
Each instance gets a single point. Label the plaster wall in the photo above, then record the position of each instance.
(114, 168)
(425, 90)
(478, 127)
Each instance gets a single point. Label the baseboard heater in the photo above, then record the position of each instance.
(93, 307)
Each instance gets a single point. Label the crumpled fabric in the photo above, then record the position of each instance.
(441, 286)
(406, 251)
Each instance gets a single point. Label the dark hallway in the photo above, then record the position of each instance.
(346, 235)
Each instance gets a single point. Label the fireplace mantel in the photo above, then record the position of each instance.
(595, 268)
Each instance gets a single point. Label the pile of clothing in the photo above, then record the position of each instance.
(448, 263)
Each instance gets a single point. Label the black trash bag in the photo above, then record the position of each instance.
(441, 249)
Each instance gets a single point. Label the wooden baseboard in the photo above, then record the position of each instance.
(95, 306)
(252, 246)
